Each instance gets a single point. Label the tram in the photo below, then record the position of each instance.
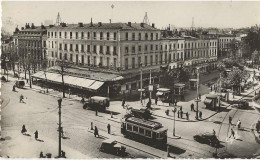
(148, 132)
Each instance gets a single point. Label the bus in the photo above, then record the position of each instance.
(144, 131)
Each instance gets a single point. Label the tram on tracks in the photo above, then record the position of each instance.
(145, 131)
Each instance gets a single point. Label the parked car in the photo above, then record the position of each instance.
(241, 104)
(111, 146)
(207, 138)
(20, 83)
(97, 103)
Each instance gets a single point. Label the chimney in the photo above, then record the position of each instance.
(63, 24)
(99, 24)
(50, 26)
(129, 24)
(80, 24)
(42, 26)
(153, 25)
(29, 25)
(91, 23)
(33, 27)
(142, 24)
(110, 20)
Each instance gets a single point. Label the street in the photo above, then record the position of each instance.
(40, 112)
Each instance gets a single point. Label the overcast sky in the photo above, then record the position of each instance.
(179, 14)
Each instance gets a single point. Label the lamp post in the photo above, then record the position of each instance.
(59, 103)
(141, 84)
(174, 111)
(46, 81)
(197, 99)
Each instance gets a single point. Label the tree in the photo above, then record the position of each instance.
(253, 40)
(183, 75)
(235, 78)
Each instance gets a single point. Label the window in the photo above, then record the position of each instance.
(126, 36)
(65, 56)
(126, 50)
(151, 47)
(133, 62)
(95, 49)
(156, 59)
(48, 34)
(60, 46)
(135, 128)
(101, 35)
(77, 59)
(140, 36)
(108, 50)
(88, 35)
(145, 47)
(148, 133)
(170, 47)
(156, 36)
(52, 54)
(114, 50)
(145, 61)
(107, 35)
(88, 48)
(151, 60)
(101, 61)
(77, 47)
(156, 47)
(82, 48)
(133, 36)
(95, 61)
(65, 47)
(141, 130)
(51, 44)
(107, 61)
(71, 47)
(51, 34)
(139, 48)
(126, 67)
(94, 35)
(60, 34)
(139, 62)
(114, 35)
(133, 49)
(146, 36)
(76, 35)
(151, 36)
(165, 47)
(101, 49)
(70, 35)
(56, 54)
(82, 59)
(60, 55)
(82, 35)
(65, 34)
(129, 127)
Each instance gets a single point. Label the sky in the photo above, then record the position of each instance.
(223, 14)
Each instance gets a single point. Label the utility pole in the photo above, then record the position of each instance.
(197, 99)
(141, 84)
(150, 85)
(59, 102)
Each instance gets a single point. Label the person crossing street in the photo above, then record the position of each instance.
(108, 128)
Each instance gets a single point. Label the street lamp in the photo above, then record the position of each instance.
(197, 100)
(174, 111)
(59, 103)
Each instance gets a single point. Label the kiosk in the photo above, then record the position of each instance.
(211, 101)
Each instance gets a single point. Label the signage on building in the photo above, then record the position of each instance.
(150, 87)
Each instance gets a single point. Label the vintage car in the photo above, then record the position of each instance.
(207, 138)
(19, 83)
(241, 104)
(97, 103)
(111, 146)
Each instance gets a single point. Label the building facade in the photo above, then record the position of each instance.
(223, 44)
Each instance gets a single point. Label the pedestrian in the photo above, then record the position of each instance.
(123, 102)
(232, 133)
(36, 135)
(14, 88)
(41, 155)
(178, 113)
(181, 114)
(156, 100)
(21, 98)
(238, 124)
(199, 96)
(187, 116)
(200, 115)
(211, 88)
(167, 112)
(181, 108)
(23, 130)
(230, 120)
(214, 132)
(108, 128)
(96, 132)
(175, 102)
(192, 107)
(91, 126)
(96, 111)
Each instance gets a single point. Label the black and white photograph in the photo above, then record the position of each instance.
(130, 79)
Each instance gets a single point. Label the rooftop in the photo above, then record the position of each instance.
(122, 26)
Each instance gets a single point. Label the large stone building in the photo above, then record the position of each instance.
(223, 43)
(30, 42)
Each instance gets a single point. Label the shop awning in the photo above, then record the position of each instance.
(70, 80)
(207, 101)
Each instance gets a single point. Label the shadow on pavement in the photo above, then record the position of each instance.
(176, 150)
